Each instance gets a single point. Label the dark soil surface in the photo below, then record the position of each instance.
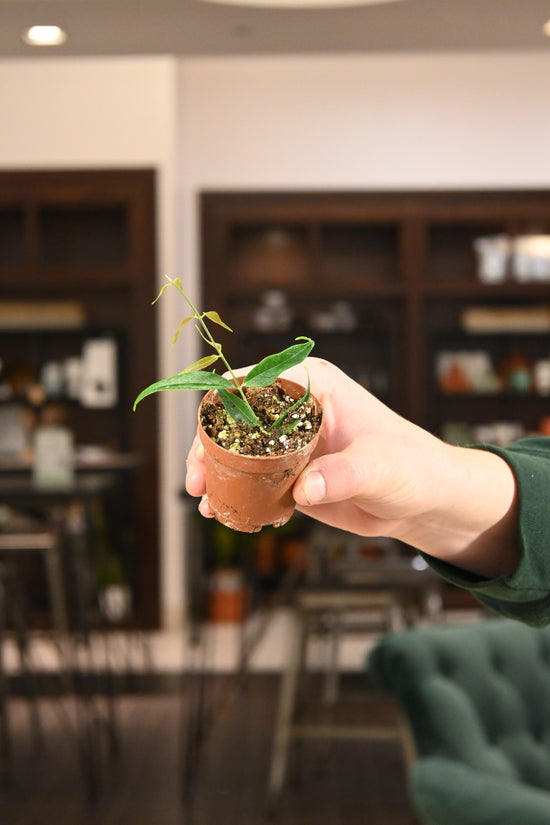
(268, 403)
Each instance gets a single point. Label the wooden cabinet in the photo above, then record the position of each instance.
(77, 262)
(405, 268)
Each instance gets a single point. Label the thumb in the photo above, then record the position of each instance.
(330, 478)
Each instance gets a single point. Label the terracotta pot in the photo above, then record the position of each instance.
(248, 492)
(228, 597)
(295, 554)
(266, 554)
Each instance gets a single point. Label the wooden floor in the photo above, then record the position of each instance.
(350, 783)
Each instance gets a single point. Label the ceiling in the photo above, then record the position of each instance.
(194, 27)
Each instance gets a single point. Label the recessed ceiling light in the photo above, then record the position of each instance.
(303, 4)
(546, 28)
(44, 36)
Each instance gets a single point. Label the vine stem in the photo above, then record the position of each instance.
(218, 348)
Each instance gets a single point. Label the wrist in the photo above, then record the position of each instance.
(473, 520)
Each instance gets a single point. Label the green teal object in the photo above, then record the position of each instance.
(477, 700)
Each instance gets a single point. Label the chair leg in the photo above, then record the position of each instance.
(5, 738)
(285, 711)
(16, 611)
(56, 585)
(332, 675)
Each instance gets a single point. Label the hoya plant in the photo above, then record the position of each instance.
(197, 377)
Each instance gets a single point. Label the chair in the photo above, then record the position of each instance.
(13, 544)
(70, 633)
(476, 699)
(12, 615)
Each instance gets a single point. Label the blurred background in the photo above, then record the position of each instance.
(374, 176)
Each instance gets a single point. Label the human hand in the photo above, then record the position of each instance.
(376, 474)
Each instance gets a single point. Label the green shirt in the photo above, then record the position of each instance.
(524, 595)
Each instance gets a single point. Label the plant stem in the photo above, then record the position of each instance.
(218, 349)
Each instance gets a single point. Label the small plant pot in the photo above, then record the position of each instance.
(247, 493)
(115, 602)
(228, 597)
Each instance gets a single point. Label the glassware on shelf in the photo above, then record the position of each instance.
(273, 314)
(53, 456)
(52, 379)
(541, 376)
(339, 317)
(501, 433)
(515, 372)
(531, 258)
(493, 257)
(344, 317)
(99, 376)
(466, 371)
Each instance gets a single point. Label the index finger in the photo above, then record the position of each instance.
(195, 483)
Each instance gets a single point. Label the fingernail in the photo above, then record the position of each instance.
(315, 487)
(204, 507)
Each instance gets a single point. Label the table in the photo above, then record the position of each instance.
(374, 596)
(18, 489)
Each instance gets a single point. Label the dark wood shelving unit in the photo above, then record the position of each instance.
(88, 237)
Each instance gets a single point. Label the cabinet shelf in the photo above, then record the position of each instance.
(474, 289)
(52, 279)
(483, 397)
(87, 237)
(320, 291)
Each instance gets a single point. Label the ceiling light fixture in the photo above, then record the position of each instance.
(303, 4)
(44, 36)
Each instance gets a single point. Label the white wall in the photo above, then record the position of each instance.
(62, 113)
(460, 120)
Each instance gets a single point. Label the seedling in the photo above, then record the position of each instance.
(231, 391)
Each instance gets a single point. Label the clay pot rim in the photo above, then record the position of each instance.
(261, 458)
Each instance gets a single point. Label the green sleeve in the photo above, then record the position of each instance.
(524, 595)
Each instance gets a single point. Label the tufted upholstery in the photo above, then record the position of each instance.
(477, 700)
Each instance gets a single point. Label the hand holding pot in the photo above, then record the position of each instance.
(376, 474)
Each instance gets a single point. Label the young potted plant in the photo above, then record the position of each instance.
(258, 430)
(114, 593)
(228, 592)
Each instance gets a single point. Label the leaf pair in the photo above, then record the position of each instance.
(261, 375)
(231, 392)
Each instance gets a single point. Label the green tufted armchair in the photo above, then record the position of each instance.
(476, 698)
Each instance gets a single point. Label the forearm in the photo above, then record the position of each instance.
(474, 522)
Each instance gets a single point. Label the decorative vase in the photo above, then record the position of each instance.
(248, 492)
(228, 597)
(115, 602)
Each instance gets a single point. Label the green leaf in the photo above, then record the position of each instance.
(161, 293)
(186, 381)
(265, 373)
(212, 315)
(237, 408)
(171, 282)
(201, 364)
(180, 327)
